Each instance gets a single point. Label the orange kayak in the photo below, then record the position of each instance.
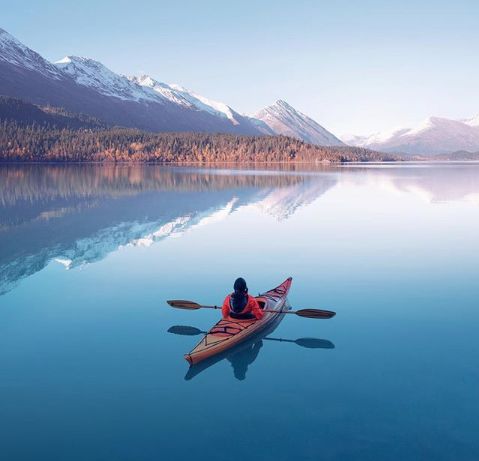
(229, 332)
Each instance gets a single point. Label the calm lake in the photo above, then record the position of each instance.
(90, 254)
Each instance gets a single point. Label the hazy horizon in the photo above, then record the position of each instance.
(355, 69)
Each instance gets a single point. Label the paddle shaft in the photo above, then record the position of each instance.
(264, 310)
(308, 313)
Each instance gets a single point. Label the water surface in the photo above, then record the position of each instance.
(89, 370)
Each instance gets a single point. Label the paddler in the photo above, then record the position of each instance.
(241, 305)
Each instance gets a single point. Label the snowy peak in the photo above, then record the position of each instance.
(284, 119)
(14, 52)
(94, 74)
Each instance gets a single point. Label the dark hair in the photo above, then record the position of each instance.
(240, 285)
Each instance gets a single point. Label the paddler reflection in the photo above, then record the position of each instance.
(241, 360)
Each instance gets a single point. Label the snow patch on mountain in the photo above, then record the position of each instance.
(283, 119)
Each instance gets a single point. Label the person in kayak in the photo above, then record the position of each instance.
(241, 305)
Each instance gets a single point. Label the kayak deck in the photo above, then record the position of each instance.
(228, 332)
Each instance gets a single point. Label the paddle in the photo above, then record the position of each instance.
(310, 343)
(308, 313)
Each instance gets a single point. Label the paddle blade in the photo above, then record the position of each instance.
(315, 313)
(182, 304)
(314, 343)
(184, 330)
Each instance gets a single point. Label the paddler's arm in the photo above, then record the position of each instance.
(257, 311)
(225, 309)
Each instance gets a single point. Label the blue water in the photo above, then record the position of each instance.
(90, 254)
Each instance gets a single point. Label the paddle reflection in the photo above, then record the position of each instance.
(243, 355)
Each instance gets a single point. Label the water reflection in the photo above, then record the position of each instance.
(78, 214)
(243, 355)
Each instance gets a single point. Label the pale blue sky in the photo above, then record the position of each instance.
(354, 66)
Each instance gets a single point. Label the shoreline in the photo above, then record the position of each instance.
(324, 163)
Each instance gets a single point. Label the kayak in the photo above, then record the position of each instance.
(230, 332)
(234, 354)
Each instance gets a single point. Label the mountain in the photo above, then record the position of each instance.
(87, 86)
(432, 137)
(281, 118)
(83, 85)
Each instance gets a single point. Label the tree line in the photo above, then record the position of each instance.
(47, 134)
(44, 143)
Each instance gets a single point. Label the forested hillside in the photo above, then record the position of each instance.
(31, 133)
(25, 114)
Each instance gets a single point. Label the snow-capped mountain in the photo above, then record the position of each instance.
(433, 136)
(283, 119)
(84, 85)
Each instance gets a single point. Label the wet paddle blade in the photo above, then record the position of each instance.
(184, 330)
(314, 343)
(183, 304)
(315, 313)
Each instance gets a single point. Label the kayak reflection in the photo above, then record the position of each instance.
(243, 355)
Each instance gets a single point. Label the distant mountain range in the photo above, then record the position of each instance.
(434, 136)
(83, 85)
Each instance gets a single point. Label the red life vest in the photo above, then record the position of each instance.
(249, 310)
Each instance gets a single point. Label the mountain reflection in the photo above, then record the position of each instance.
(78, 214)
